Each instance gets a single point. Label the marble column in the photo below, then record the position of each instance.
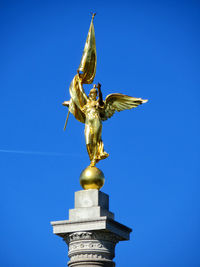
(91, 232)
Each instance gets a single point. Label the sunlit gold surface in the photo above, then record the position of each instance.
(88, 63)
(92, 109)
(92, 178)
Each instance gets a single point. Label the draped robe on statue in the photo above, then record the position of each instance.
(79, 102)
(90, 111)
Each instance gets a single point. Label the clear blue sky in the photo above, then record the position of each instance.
(146, 49)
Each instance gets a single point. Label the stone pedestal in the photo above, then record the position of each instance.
(91, 232)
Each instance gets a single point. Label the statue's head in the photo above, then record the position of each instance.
(93, 93)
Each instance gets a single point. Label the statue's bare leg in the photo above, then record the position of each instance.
(95, 139)
(93, 155)
(89, 151)
(93, 161)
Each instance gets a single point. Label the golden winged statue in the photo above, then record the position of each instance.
(92, 109)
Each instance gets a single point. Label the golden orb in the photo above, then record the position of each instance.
(92, 178)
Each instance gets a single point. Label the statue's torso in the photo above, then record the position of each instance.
(91, 110)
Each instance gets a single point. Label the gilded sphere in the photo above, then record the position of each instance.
(92, 178)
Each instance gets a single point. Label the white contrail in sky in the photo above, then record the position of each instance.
(37, 153)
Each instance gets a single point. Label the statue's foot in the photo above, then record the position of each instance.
(92, 163)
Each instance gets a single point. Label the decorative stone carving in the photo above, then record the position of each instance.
(91, 245)
(78, 236)
(100, 235)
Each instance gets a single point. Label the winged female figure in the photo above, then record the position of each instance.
(92, 109)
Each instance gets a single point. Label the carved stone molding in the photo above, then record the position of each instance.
(78, 236)
(100, 235)
(90, 246)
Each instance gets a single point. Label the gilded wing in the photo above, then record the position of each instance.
(119, 102)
